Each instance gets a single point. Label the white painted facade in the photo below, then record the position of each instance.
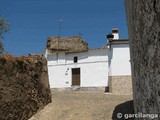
(96, 65)
(119, 60)
(93, 68)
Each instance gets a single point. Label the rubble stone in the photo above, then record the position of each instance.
(24, 86)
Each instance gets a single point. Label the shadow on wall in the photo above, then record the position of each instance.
(122, 110)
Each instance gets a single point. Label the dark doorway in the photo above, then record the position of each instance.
(75, 76)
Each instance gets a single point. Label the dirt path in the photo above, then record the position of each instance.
(83, 105)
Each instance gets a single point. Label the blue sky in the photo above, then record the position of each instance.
(33, 21)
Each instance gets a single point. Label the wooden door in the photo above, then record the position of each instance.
(76, 77)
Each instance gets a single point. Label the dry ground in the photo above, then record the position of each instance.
(84, 105)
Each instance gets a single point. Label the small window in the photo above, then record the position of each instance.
(75, 59)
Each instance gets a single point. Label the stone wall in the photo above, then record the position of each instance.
(24, 86)
(71, 44)
(143, 18)
(120, 84)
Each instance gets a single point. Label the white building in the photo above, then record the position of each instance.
(79, 66)
(119, 67)
(119, 55)
(119, 58)
(84, 69)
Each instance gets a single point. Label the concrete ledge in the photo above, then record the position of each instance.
(78, 88)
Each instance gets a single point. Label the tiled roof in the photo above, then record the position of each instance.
(97, 48)
(69, 52)
(119, 41)
(122, 39)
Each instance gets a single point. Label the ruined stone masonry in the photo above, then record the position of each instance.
(24, 86)
(143, 18)
(72, 44)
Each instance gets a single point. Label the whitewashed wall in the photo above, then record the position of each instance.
(93, 65)
(119, 60)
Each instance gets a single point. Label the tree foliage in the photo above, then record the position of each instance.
(4, 26)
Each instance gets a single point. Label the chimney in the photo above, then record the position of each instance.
(115, 33)
(109, 37)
